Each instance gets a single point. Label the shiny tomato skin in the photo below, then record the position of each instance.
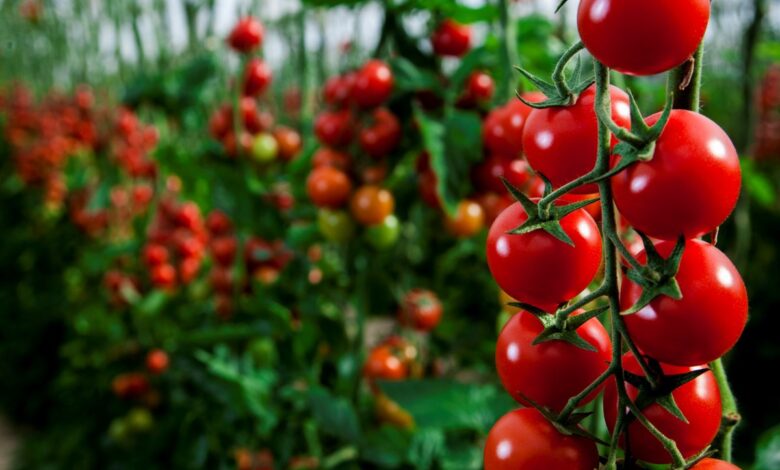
(689, 187)
(705, 323)
(246, 35)
(328, 187)
(257, 77)
(157, 361)
(493, 204)
(451, 39)
(502, 130)
(380, 138)
(382, 363)
(289, 142)
(524, 266)
(421, 309)
(524, 368)
(426, 186)
(334, 128)
(524, 440)
(699, 401)
(562, 142)
(480, 86)
(488, 175)
(637, 37)
(714, 464)
(468, 220)
(373, 84)
(325, 156)
(370, 205)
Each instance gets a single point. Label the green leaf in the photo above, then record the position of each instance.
(768, 450)
(386, 447)
(757, 184)
(427, 446)
(334, 415)
(409, 77)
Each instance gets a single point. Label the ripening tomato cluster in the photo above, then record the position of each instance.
(684, 191)
(767, 144)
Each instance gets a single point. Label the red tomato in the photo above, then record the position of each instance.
(334, 128)
(537, 268)
(221, 280)
(479, 89)
(221, 122)
(451, 39)
(421, 309)
(468, 220)
(382, 136)
(328, 187)
(188, 269)
(525, 368)
(562, 142)
(224, 249)
(714, 464)
(699, 401)
(254, 121)
(257, 77)
(705, 323)
(157, 361)
(337, 90)
(246, 35)
(325, 156)
(155, 254)
(690, 186)
(487, 175)
(502, 130)
(667, 32)
(426, 185)
(373, 84)
(163, 276)
(524, 440)
(382, 363)
(493, 204)
(218, 223)
(370, 205)
(289, 142)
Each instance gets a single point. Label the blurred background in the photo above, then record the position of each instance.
(265, 364)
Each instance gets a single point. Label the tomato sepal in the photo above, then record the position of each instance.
(561, 328)
(568, 425)
(566, 90)
(658, 276)
(661, 393)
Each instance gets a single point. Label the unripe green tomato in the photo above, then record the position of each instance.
(119, 430)
(264, 148)
(140, 420)
(384, 235)
(335, 226)
(263, 351)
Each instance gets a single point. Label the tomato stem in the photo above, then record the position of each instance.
(508, 51)
(731, 417)
(559, 75)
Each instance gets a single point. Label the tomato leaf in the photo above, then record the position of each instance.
(334, 415)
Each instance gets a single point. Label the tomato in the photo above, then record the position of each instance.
(246, 35)
(714, 464)
(218, 223)
(188, 216)
(328, 187)
(325, 156)
(502, 130)
(479, 87)
(130, 385)
(562, 142)
(493, 205)
(421, 309)
(335, 226)
(451, 39)
(690, 186)
(337, 90)
(157, 361)
(232, 146)
(373, 84)
(638, 38)
(224, 249)
(382, 137)
(370, 205)
(524, 440)
(488, 174)
(529, 370)
(221, 279)
(334, 128)
(155, 254)
(257, 77)
(188, 269)
(426, 186)
(537, 268)
(163, 276)
(385, 234)
(264, 148)
(383, 363)
(374, 174)
(699, 401)
(705, 323)
(288, 141)
(254, 120)
(221, 122)
(468, 220)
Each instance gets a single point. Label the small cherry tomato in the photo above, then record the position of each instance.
(502, 130)
(246, 35)
(157, 361)
(370, 205)
(468, 220)
(325, 156)
(373, 84)
(334, 128)
(288, 141)
(421, 309)
(328, 187)
(451, 39)
(257, 77)
(714, 464)
(383, 363)
(385, 234)
(493, 204)
(155, 254)
(488, 175)
(335, 226)
(264, 148)
(381, 138)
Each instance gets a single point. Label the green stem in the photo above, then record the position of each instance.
(684, 82)
(508, 51)
(731, 417)
(559, 76)
(575, 400)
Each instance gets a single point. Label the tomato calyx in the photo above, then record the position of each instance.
(545, 217)
(568, 425)
(563, 91)
(657, 277)
(561, 326)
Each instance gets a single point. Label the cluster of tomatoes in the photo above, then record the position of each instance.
(683, 191)
(357, 135)
(768, 126)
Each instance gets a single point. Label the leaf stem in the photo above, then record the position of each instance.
(559, 75)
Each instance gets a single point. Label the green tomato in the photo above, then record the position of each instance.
(264, 148)
(140, 420)
(384, 235)
(263, 351)
(335, 226)
(119, 430)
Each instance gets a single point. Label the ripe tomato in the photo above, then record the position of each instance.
(338, 89)
(714, 464)
(525, 368)
(224, 249)
(264, 148)
(699, 401)
(221, 122)
(370, 205)
(537, 268)
(468, 220)
(524, 439)
(421, 309)
(426, 186)
(480, 86)
(705, 323)
(335, 226)
(373, 84)
(218, 223)
(325, 156)
(487, 175)
(221, 279)
(155, 254)
(502, 130)
(493, 204)
(451, 39)
(382, 136)
(562, 142)
(334, 128)
(246, 35)
(157, 361)
(328, 187)
(374, 174)
(690, 186)
(384, 235)
(163, 276)
(288, 141)
(257, 77)
(382, 363)
(667, 32)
